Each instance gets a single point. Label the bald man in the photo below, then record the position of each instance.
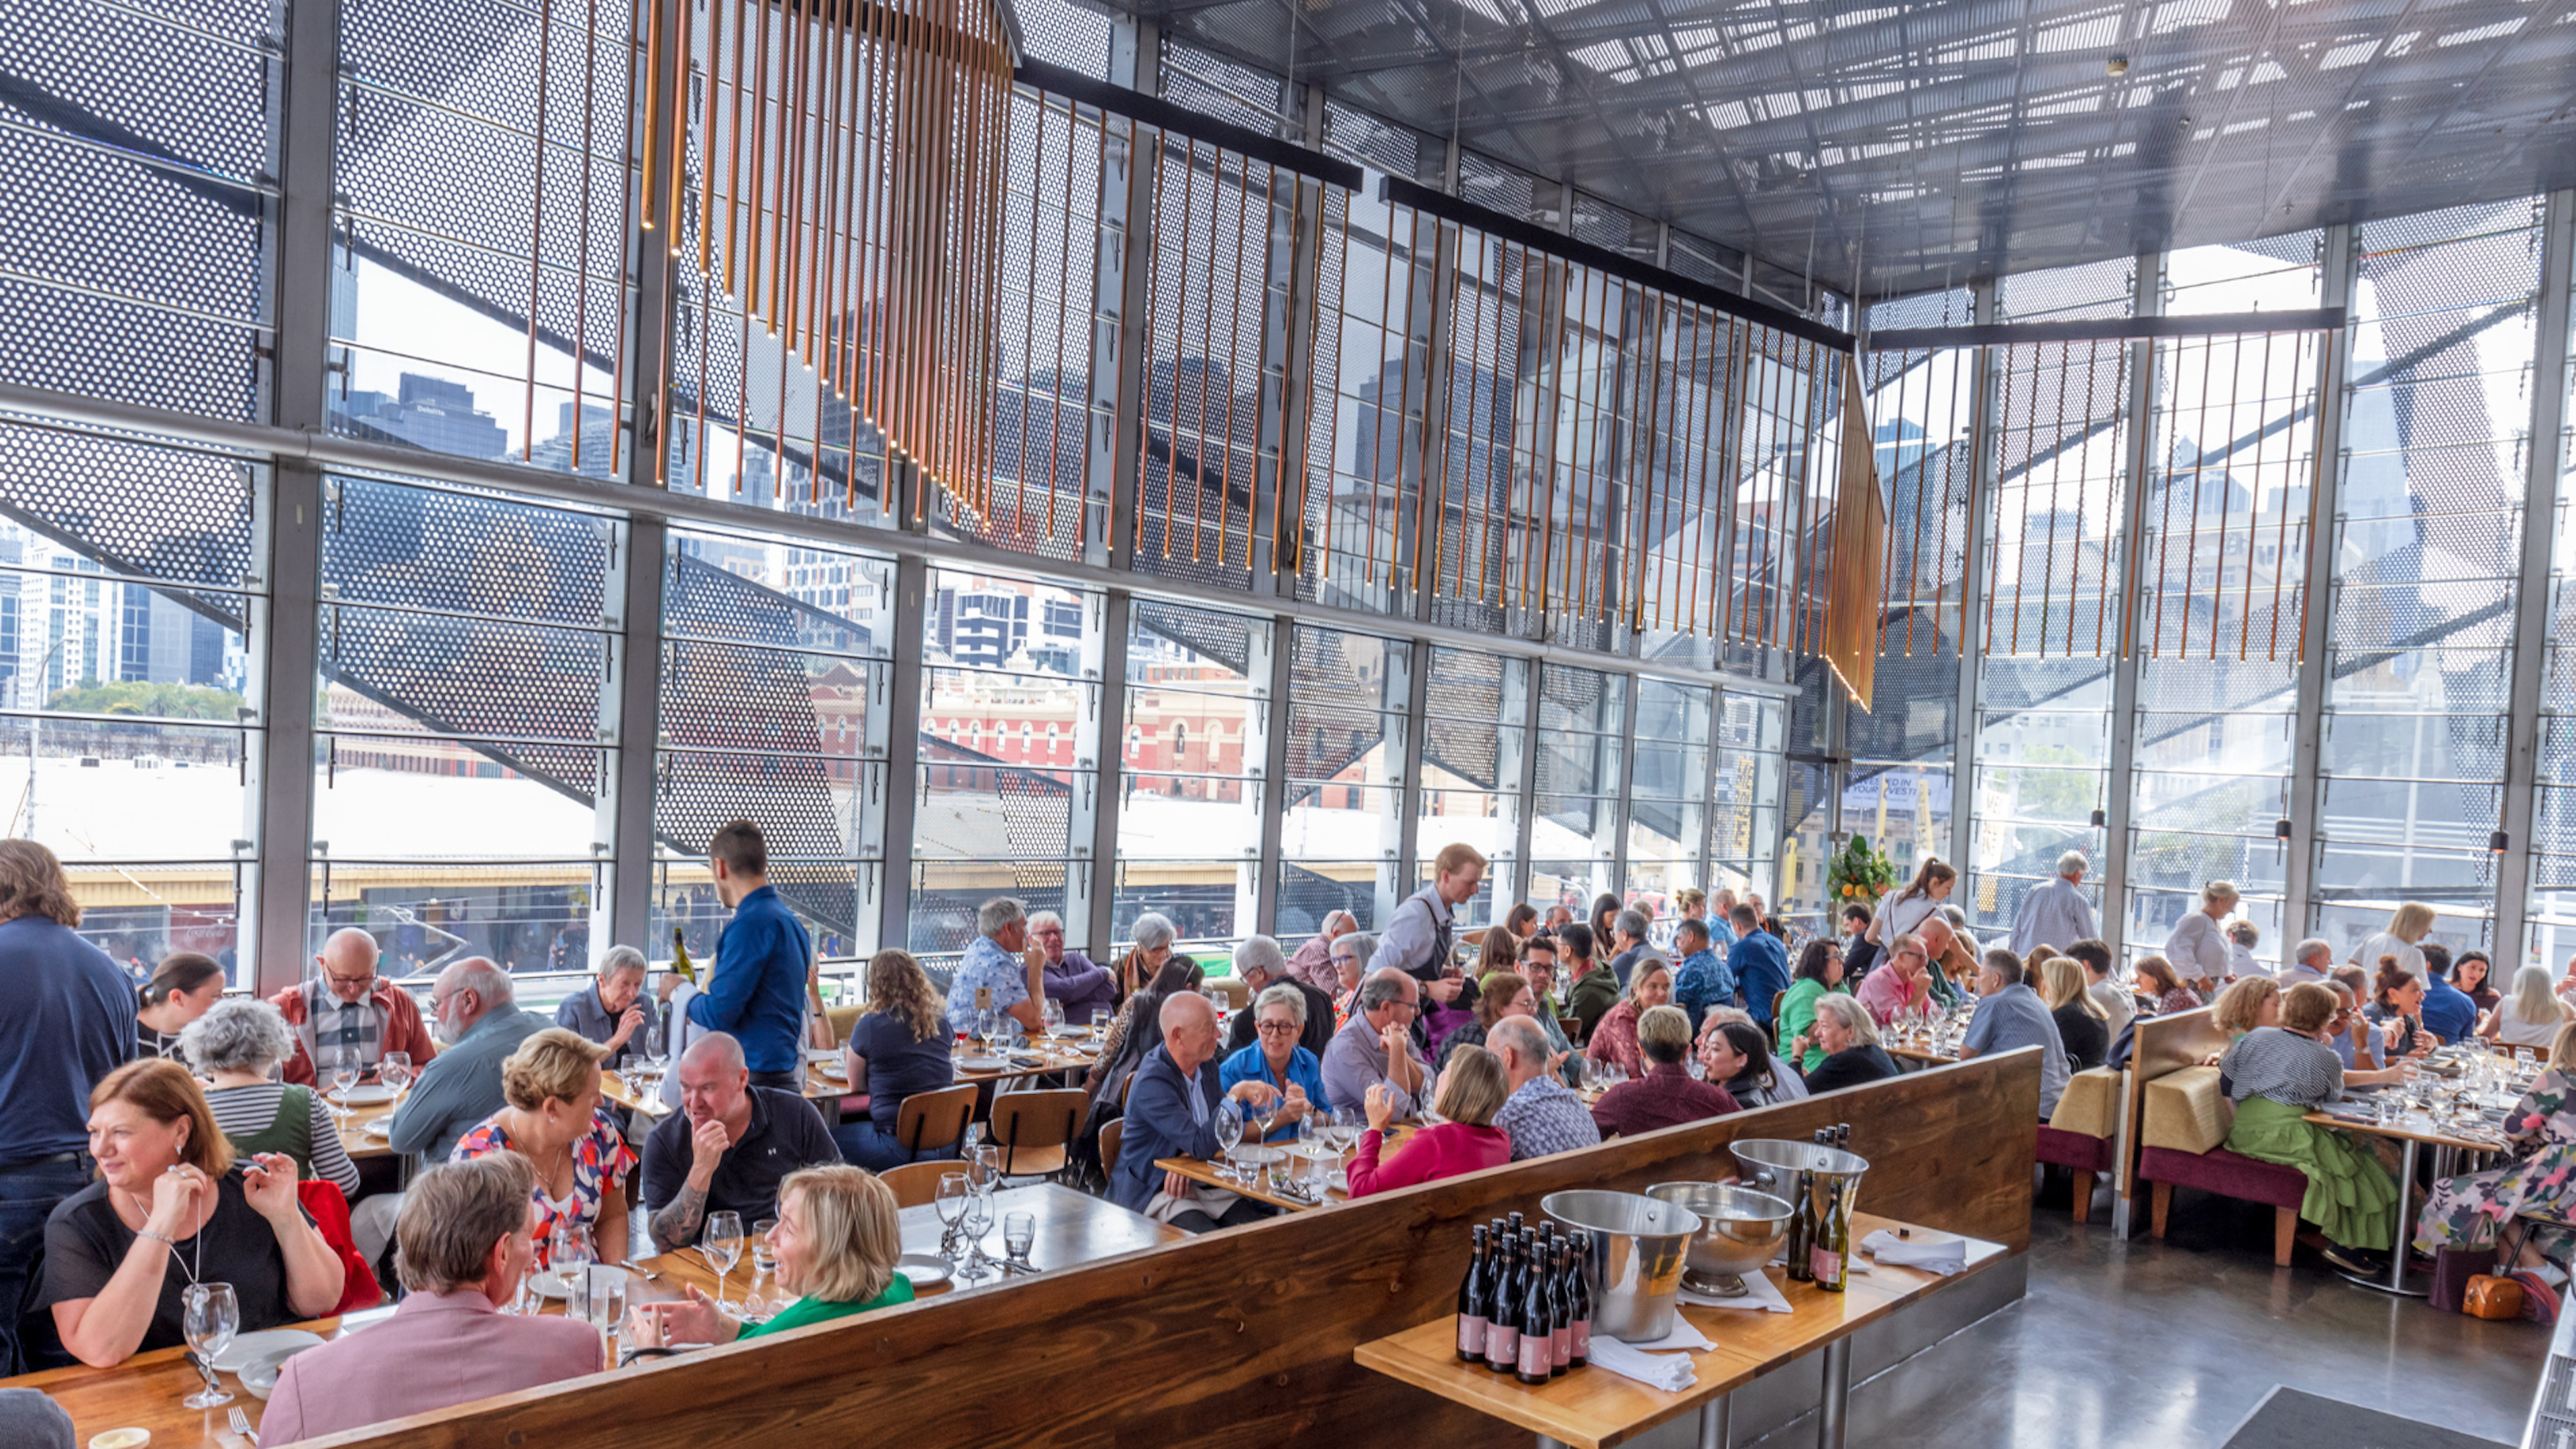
(1172, 1106)
(478, 1013)
(728, 1147)
(344, 1006)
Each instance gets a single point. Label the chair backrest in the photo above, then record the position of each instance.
(935, 1119)
(1028, 1120)
(1779, 1043)
(916, 1183)
(2186, 1112)
(1110, 1136)
(1235, 989)
(843, 1019)
(330, 1212)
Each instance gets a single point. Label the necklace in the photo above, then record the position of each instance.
(196, 1240)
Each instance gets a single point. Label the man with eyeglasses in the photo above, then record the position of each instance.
(345, 1006)
(1074, 981)
(1377, 1046)
(1261, 965)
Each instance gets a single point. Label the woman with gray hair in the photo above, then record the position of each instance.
(239, 1044)
(1275, 1057)
(1351, 957)
(1850, 1040)
(1153, 934)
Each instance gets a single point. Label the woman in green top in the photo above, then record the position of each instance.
(1820, 970)
(836, 1243)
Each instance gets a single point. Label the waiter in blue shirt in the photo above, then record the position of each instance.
(1760, 964)
(758, 990)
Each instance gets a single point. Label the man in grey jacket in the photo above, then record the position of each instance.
(474, 1007)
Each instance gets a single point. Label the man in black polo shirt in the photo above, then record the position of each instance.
(728, 1148)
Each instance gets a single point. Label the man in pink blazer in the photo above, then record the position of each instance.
(465, 1246)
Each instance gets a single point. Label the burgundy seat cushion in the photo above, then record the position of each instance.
(2230, 1174)
(2074, 1149)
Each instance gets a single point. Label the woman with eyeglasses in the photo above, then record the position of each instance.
(1275, 1058)
(1350, 958)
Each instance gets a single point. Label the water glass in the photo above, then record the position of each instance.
(1229, 1131)
(764, 1259)
(1019, 1234)
(212, 1316)
(606, 1298)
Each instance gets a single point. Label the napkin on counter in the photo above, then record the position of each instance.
(1760, 1294)
(1670, 1372)
(1945, 1257)
(1682, 1336)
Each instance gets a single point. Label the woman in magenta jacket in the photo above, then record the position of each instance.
(1471, 1090)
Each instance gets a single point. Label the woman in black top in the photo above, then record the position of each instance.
(184, 985)
(2396, 1006)
(172, 1208)
(1850, 1040)
(2082, 1024)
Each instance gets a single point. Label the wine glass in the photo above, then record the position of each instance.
(344, 1075)
(1052, 1013)
(722, 1245)
(213, 1314)
(954, 1189)
(395, 1070)
(1229, 1131)
(976, 1221)
(986, 1172)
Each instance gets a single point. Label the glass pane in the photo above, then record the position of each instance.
(1172, 817)
(1309, 890)
(763, 591)
(973, 810)
(947, 893)
(1573, 826)
(1903, 809)
(1209, 902)
(841, 802)
(1569, 883)
(529, 916)
(424, 797)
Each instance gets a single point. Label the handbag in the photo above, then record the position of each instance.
(2489, 1296)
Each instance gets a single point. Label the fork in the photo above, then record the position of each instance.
(241, 1426)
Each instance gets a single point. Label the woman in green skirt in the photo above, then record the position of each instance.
(2279, 1074)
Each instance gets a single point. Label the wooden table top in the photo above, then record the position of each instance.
(817, 1087)
(1920, 1054)
(2415, 1126)
(1592, 1407)
(353, 1129)
(145, 1391)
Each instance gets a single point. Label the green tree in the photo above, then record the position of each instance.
(138, 697)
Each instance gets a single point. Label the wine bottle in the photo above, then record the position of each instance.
(1538, 1318)
(1578, 1311)
(680, 956)
(1560, 1324)
(1502, 1323)
(1831, 1255)
(1515, 1220)
(1472, 1306)
(1802, 1223)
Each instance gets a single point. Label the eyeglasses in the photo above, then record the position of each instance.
(339, 981)
(1284, 1028)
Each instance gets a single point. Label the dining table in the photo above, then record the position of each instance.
(145, 1391)
(2412, 1129)
(1262, 1185)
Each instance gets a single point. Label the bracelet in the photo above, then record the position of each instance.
(164, 1239)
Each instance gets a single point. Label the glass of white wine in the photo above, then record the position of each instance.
(722, 1243)
(212, 1316)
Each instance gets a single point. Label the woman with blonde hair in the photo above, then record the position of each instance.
(1472, 1088)
(835, 1244)
(2082, 1025)
(2532, 1016)
(2247, 1004)
(2407, 927)
(898, 1048)
(552, 1117)
(172, 1207)
(2278, 1075)
(1614, 1041)
(1904, 912)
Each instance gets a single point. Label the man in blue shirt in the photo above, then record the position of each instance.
(1703, 980)
(1759, 962)
(66, 1021)
(757, 992)
(2447, 1011)
(2010, 1016)
(1002, 964)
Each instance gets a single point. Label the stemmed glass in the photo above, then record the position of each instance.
(212, 1316)
(568, 1252)
(1229, 1131)
(395, 1070)
(344, 1075)
(954, 1189)
(975, 1223)
(722, 1244)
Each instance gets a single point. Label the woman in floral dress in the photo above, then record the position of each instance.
(553, 1118)
(2539, 1185)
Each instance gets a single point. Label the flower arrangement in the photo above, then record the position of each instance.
(1859, 872)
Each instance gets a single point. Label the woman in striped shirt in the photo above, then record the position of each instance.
(2279, 1074)
(239, 1043)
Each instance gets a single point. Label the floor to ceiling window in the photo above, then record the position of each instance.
(2551, 933)
(1475, 751)
(1583, 726)
(1668, 788)
(1341, 831)
(1190, 761)
(2427, 549)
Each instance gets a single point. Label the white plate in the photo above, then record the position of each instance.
(831, 1070)
(259, 1376)
(381, 1127)
(365, 1094)
(819, 1055)
(251, 1347)
(551, 1284)
(982, 1064)
(924, 1269)
(1341, 1179)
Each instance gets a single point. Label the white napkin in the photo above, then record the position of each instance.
(1670, 1372)
(1945, 1257)
(1760, 1294)
(1681, 1336)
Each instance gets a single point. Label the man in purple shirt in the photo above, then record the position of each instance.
(1073, 981)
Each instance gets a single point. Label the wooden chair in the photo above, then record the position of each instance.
(1779, 1043)
(916, 1183)
(1035, 1130)
(1110, 1138)
(931, 1120)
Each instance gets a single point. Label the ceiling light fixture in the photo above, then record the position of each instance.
(2119, 65)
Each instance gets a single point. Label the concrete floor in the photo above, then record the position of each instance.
(2172, 1343)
